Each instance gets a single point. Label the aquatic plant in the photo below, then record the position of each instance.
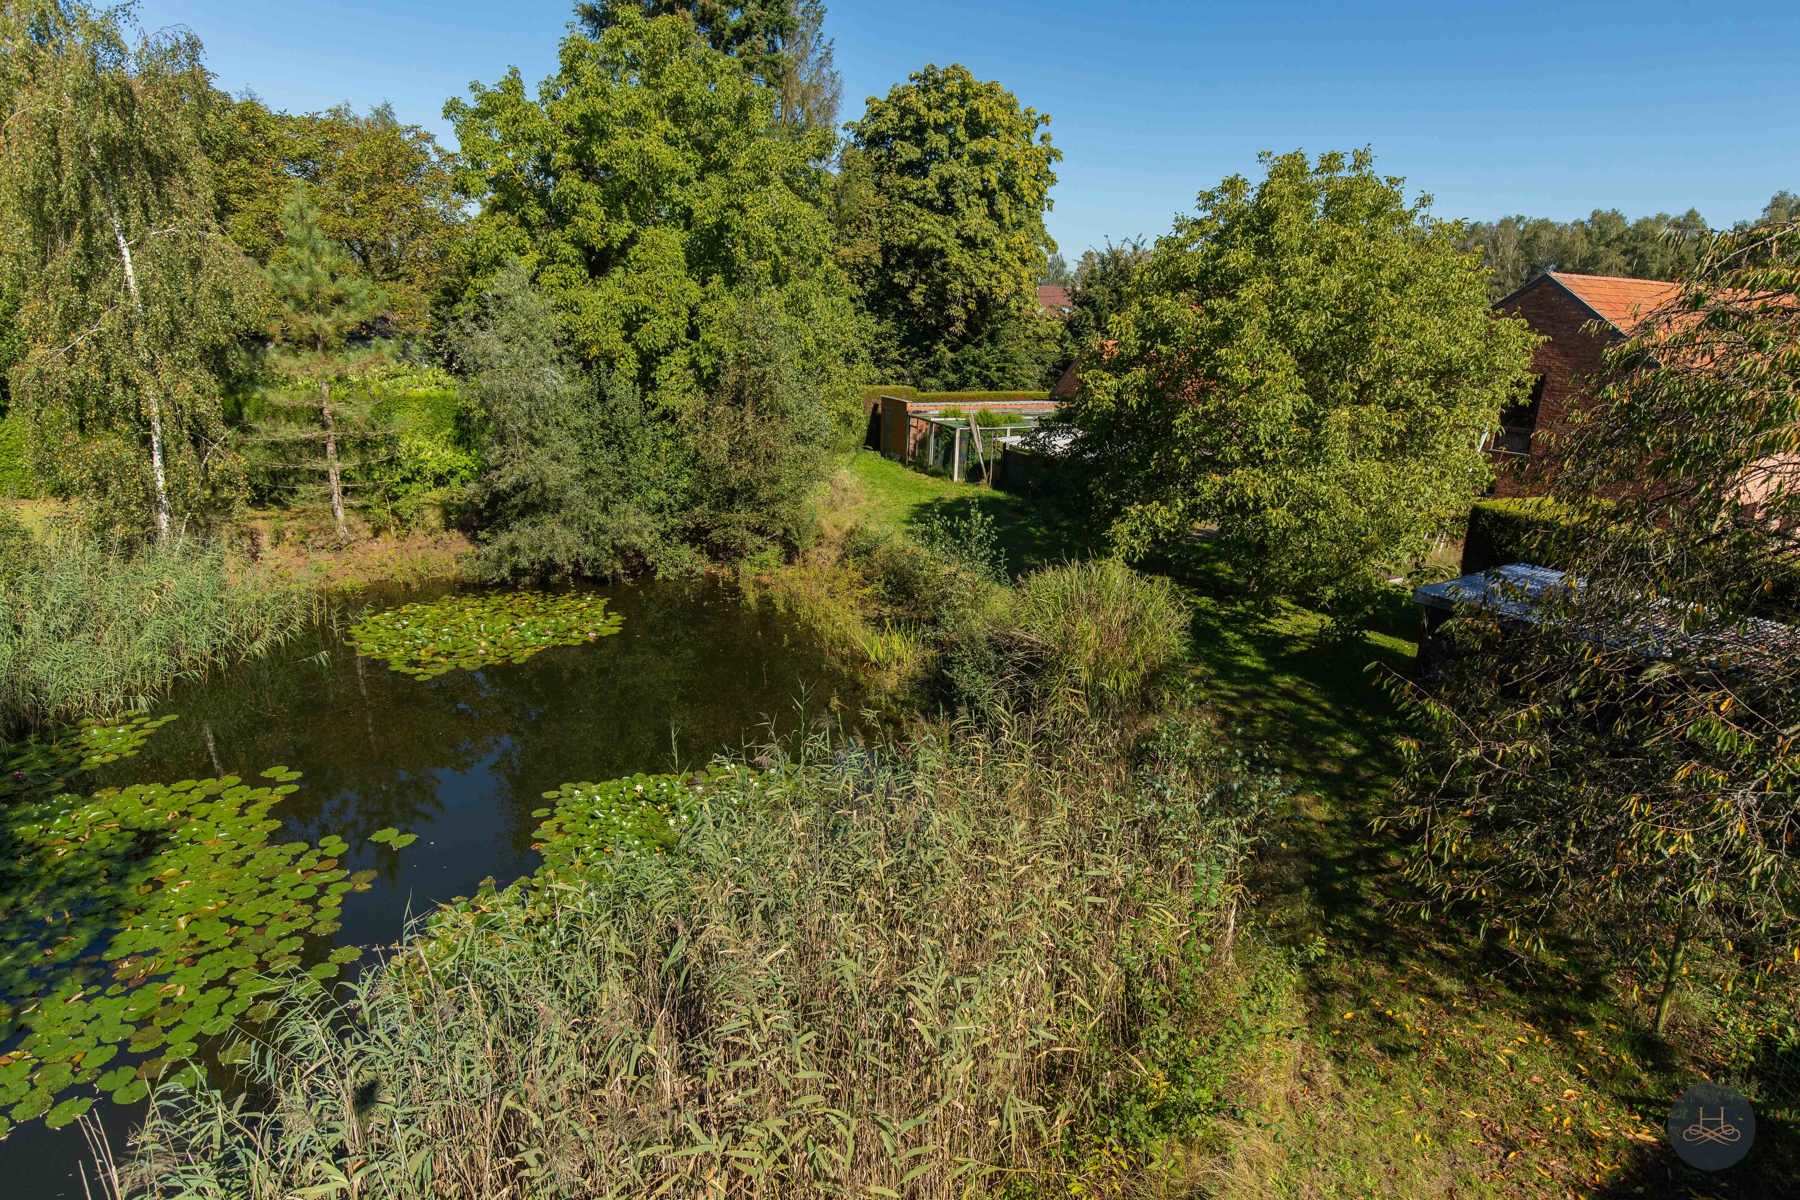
(468, 632)
(85, 633)
(984, 965)
(140, 920)
(638, 813)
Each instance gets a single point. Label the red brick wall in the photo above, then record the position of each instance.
(1567, 359)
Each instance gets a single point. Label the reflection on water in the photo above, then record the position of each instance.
(461, 760)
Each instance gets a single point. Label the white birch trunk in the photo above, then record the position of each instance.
(157, 471)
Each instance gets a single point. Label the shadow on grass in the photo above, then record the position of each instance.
(1032, 533)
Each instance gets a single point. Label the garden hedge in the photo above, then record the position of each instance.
(1531, 530)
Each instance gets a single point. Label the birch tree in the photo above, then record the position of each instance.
(133, 303)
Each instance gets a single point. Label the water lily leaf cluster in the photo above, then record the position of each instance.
(139, 921)
(466, 633)
(109, 741)
(43, 767)
(639, 813)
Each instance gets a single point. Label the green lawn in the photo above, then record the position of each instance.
(883, 495)
(1428, 1065)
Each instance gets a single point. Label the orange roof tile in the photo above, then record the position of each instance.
(1051, 298)
(1620, 301)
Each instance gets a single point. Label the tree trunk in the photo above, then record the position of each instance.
(331, 461)
(158, 473)
(1671, 971)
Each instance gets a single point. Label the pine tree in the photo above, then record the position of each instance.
(320, 301)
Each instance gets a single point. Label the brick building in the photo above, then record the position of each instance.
(1578, 316)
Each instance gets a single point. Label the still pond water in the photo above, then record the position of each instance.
(461, 760)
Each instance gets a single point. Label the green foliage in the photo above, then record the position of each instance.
(1625, 771)
(1306, 365)
(941, 207)
(677, 234)
(383, 188)
(1099, 635)
(1103, 282)
(578, 477)
(466, 633)
(873, 947)
(141, 921)
(319, 301)
(1530, 530)
(87, 633)
(133, 307)
(319, 296)
(781, 44)
(1518, 248)
(15, 462)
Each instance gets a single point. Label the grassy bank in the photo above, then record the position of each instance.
(993, 962)
(85, 632)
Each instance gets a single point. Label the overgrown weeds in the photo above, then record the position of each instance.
(87, 632)
(997, 962)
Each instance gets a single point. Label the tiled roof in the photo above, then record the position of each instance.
(1620, 301)
(1053, 299)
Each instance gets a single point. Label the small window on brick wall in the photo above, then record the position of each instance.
(1518, 421)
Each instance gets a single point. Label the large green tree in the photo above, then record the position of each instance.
(1622, 776)
(782, 44)
(383, 190)
(943, 192)
(678, 228)
(132, 300)
(1305, 367)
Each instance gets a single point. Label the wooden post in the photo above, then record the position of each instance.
(980, 456)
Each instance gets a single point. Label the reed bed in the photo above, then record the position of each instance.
(85, 632)
(990, 965)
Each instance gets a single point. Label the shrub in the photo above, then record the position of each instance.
(1100, 633)
(87, 633)
(975, 965)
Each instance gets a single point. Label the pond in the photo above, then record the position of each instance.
(430, 779)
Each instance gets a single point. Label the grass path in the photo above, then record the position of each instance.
(1424, 1070)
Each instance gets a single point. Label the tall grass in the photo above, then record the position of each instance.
(85, 632)
(1107, 632)
(989, 966)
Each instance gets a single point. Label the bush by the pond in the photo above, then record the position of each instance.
(1106, 632)
(87, 632)
(989, 966)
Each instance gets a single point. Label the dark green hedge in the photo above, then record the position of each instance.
(1526, 530)
(970, 400)
(15, 475)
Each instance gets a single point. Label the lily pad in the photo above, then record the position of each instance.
(470, 632)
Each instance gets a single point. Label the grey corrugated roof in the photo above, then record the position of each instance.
(1655, 628)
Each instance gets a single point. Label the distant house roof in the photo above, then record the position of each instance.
(1620, 301)
(1053, 299)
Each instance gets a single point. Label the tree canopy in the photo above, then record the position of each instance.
(1623, 773)
(945, 184)
(383, 190)
(678, 229)
(1306, 367)
(132, 301)
(782, 44)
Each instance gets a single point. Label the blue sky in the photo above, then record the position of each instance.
(1551, 109)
